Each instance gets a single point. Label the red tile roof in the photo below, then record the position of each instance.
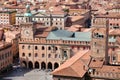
(107, 68)
(114, 32)
(73, 65)
(97, 63)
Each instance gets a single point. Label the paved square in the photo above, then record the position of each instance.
(25, 74)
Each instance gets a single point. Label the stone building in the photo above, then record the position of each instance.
(7, 17)
(6, 56)
(114, 19)
(36, 51)
(40, 45)
(93, 64)
(48, 18)
(12, 36)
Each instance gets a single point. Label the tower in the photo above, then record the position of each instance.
(99, 43)
(28, 14)
(28, 30)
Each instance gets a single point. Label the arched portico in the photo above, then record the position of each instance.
(37, 65)
(30, 65)
(56, 65)
(49, 65)
(24, 64)
(43, 65)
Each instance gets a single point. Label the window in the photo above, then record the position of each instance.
(117, 24)
(43, 55)
(114, 58)
(56, 23)
(43, 48)
(97, 51)
(84, 48)
(23, 54)
(36, 47)
(56, 48)
(55, 55)
(5, 55)
(49, 48)
(36, 55)
(49, 55)
(23, 47)
(29, 54)
(29, 47)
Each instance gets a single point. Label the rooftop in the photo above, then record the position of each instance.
(4, 45)
(73, 65)
(73, 36)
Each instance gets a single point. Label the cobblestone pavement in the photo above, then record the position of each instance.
(27, 74)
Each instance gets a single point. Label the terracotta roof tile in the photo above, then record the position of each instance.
(96, 63)
(76, 18)
(114, 32)
(107, 68)
(109, 15)
(72, 66)
(43, 31)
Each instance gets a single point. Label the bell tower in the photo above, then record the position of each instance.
(99, 43)
(28, 14)
(28, 30)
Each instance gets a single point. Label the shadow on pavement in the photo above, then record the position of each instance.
(15, 72)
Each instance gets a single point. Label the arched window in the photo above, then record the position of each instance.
(49, 48)
(56, 23)
(36, 47)
(43, 47)
(110, 24)
(56, 48)
(29, 47)
(23, 54)
(43, 55)
(29, 54)
(117, 24)
(49, 55)
(55, 55)
(23, 47)
(36, 54)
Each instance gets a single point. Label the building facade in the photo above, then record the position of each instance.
(37, 52)
(96, 62)
(6, 56)
(7, 17)
(47, 18)
(12, 36)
